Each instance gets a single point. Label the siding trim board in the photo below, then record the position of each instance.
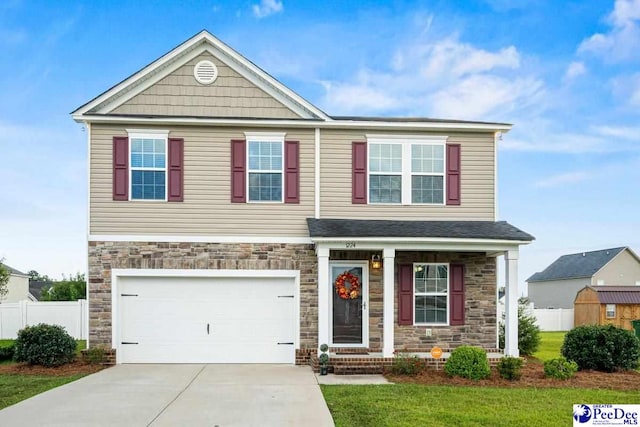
(421, 126)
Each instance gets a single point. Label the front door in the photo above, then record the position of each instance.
(349, 299)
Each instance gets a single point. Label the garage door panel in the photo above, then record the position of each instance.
(250, 320)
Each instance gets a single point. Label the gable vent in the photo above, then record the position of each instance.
(205, 72)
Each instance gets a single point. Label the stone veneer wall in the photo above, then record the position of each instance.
(480, 287)
(480, 328)
(104, 256)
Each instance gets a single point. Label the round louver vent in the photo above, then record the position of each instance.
(205, 72)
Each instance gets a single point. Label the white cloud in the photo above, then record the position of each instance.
(562, 179)
(574, 70)
(482, 95)
(627, 88)
(624, 132)
(361, 98)
(622, 41)
(589, 141)
(267, 8)
(443, 78)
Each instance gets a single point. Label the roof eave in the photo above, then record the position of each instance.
(334, 124)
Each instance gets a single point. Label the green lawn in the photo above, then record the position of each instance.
(550, 343)
(14, 387)
(419, 405)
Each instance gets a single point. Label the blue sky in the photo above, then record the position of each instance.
(565, 73)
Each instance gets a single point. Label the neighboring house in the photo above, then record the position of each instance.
(36, 287)
(603, 305)
(230, 220)
(18, 286)
(556, 286)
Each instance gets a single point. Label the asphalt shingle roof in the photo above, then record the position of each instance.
(500, 230)
(618, 294)
(574, 266)
(14, 271)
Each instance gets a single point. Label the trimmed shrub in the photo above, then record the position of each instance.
(6, 351)
(45, 345)
(528, 331)
(94, 355)
(560, 368)
(602, 347)
(468, 362)
(510, 368)
(404, 364)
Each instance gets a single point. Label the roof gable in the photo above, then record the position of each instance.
(575, 266)
(179, 94)
(14, 272)
(202, 43)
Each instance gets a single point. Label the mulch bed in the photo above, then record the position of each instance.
(76, 367)
(532, 376)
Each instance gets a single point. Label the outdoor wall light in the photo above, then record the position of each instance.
(376, 262)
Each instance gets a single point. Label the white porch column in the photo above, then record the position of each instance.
(511, 304)
(323, 296)
(388, 258)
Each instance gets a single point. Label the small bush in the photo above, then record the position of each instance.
(6, 351)
(510, 368)
(94, 355)
(528, 331)
(602, 347)
(46, 345)
(468, 362)
(560, 368)
(404, 364)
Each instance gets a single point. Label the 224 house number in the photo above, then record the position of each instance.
(350, 245)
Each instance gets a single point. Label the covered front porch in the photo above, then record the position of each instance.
(436, 285)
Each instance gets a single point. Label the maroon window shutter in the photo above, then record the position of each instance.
(405, 294)
(120, 168)
(456, 295)
(175, 172)
(291, 172)
(359, 175)
(453, 174)
(238, 170)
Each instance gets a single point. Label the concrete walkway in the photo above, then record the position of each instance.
(179, 395)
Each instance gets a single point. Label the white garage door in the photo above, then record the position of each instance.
(206, 320)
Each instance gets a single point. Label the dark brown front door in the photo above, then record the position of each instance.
(348, 304)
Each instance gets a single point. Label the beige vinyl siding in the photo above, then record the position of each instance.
(477, 181)
(622, 270)
(207, 209)
(231, 95)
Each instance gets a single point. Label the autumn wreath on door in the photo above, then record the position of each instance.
(350, 292)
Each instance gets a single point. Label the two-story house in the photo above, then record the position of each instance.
(230, 220)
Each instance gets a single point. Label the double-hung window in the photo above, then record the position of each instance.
(427, 173)
(407, 170)
(148, 160)
(385, 173)
(431, 293)
(265, 167)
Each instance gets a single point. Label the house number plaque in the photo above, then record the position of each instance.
(350, 244)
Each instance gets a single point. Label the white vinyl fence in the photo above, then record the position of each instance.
(72, 315)
(548, 319)
(554, 319)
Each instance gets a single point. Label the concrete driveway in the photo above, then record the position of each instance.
(180, 395)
